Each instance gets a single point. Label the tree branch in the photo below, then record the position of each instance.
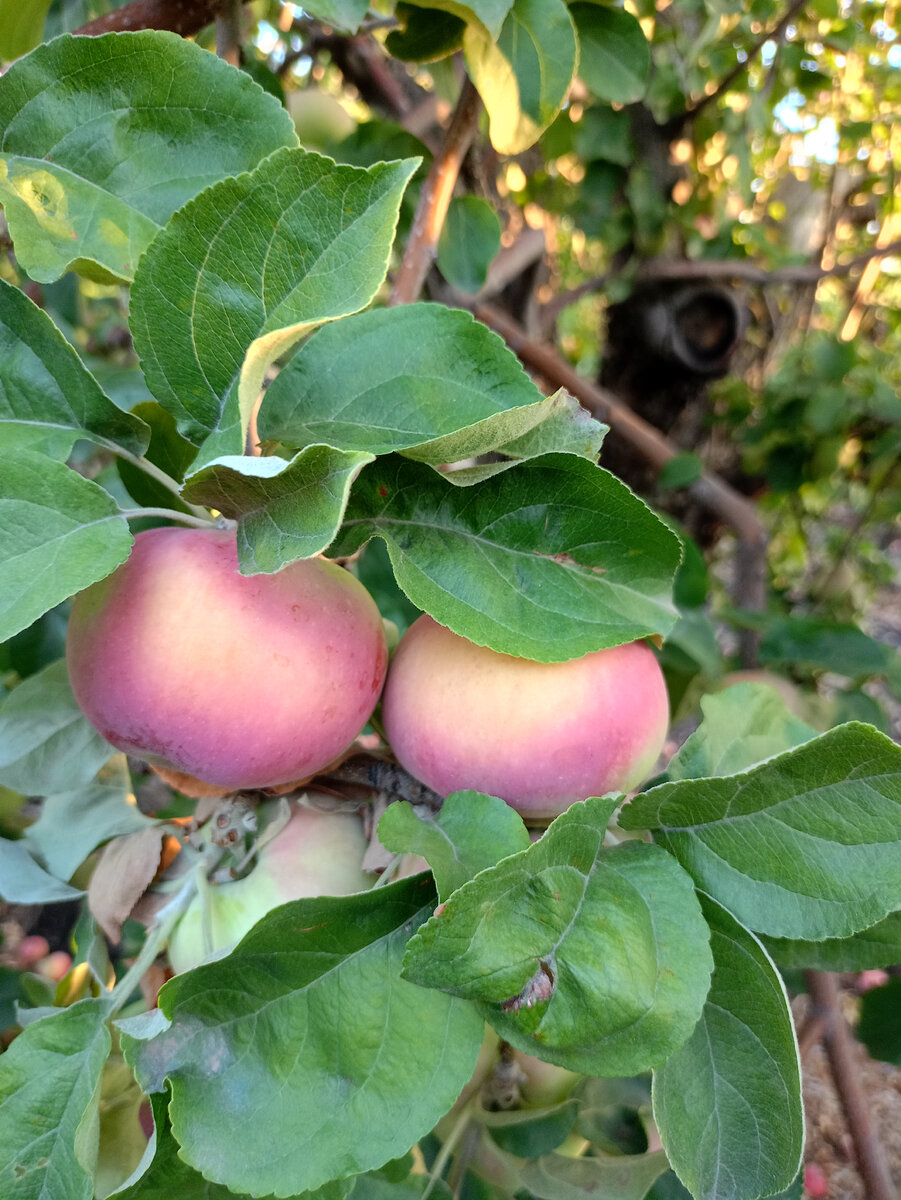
(680, 120)
(185, 17)
(435, 198)
(228, 31)
(711, 491)
(744, 272)
(838, 1043)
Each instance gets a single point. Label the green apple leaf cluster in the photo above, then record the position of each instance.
(277, 389)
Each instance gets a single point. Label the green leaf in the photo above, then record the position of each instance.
(425, 36)
(320, 976)
(595, 958)
(242, 271)
(487, 13)
(683, 469)
(73, 823)
(529, 1133)
(344, 14)
(49, 1088)
(46, 742)
(58, 534)
(728, 1102)
(614, 55)
(45, 388)
(878, 946)
(21, 26)
(826, 646)
(468, 834)
(285, 510)
(524, 72)
(567, 428)
(806, 845)
(879, 1027)
(168, 1176)
(168, 450)
(22, 881)
(104, 138)
(743, 725)
(470, 238)
(550, 579)
(626, 1177)
(420, 378)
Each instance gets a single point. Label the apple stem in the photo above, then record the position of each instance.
(386, 875)
(160, 476)
(171, 514)
(157, 936)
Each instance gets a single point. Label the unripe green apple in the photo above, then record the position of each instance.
(544, 1084)
(539, 735)
(316, 854)
(241, 681)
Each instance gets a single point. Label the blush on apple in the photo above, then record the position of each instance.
(240, 681)
(539, 735)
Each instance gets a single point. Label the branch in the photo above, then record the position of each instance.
(435, 198)
(838, 1043)
(711, 491)
(228, 32)
(676, 123)
(185, 17)
(745, 272)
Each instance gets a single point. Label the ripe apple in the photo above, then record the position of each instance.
(316, 854)
(539, 735)
(240, 681)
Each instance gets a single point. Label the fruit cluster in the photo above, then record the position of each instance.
(239, 682)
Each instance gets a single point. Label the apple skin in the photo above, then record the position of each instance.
(240, 681)
(539, 735)
(316, 854)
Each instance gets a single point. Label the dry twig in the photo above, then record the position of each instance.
(838, 1043)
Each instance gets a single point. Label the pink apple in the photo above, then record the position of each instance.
(539, 735)
(316, 854)
(240, 681)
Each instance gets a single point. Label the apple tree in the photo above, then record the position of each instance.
(498, 937)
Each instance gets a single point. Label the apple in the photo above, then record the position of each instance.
(316, 854)
(539, 735)
(239, 681)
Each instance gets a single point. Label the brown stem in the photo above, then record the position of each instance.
(228, 32)
(714, 493)
(435, 198)
(838, 1043)
(185, 17)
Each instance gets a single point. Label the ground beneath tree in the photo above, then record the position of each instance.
(829, 1144)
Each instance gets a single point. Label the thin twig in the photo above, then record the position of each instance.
(711, 491)
(171, 514)
(157, 936)
(811, 1032)
(676, 123)
(435, 198)
(838, 1043)
(160, 476)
